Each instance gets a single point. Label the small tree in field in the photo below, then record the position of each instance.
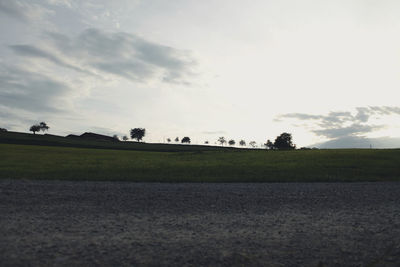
(43, 126)
(253, 144)
(138, 133)
(177, 139)
(116, 137)
(206, 142)
(125, 138)
(231, 142)
(269, 145)
(242, 143)
(34, 128)
(186, 139)
(169, 140)
(284, 142)
(222, 140)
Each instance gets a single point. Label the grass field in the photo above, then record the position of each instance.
(66, 163)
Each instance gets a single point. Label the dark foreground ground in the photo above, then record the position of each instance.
(106, 223)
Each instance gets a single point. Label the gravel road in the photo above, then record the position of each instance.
(46, 223)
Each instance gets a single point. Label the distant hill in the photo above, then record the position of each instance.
(93, 140)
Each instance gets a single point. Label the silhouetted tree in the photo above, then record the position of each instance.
(253, 144)
(242, 143)
(269, 144)
(3, 130)
(222, 140)
(284, 142)
(169, 140)
(177, 139)
(206, 142)
(138, 133)
(43, 126)
(125, 138)
(34, 128)
(231, 142)
(115, 137)
(185, 140)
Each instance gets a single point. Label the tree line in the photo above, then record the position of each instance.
(282, 142)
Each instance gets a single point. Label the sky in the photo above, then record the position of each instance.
(328, 72)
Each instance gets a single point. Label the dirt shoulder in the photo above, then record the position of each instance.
(151, 224)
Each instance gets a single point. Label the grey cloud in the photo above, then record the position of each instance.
(385, 110)
(354, 129)
(13, 9)
(122, 54)
(29, 91)
(65, 3)
(302, 116)
(13, 119)
(135, 71)
(31, 51)
(335, 119)
(342, 124)
(24, 11)
(331, 120)
(363, 114)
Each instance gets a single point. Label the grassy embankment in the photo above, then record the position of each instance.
(68, 163)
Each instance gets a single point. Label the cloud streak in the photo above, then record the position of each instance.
(118, 54)
(22, 11)
(32, 51)
(354, 129)
(30, 91)
(344, 124)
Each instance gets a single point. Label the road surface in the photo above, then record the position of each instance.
(54, 223)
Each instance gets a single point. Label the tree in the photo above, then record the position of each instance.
(3, 130)
(169, 140)
(34, 128)
(284, 142)
(125, 138)
(177, 139)
(206, 142)
(185, 140)
(242, 143)
(231, 142)
(43, 126)
(269, 144)
(253, 144)
(116, 137)
(222, 140)
(138, 133)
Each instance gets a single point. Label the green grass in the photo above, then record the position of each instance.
(66, 163)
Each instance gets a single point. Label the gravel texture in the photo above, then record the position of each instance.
(54, 223)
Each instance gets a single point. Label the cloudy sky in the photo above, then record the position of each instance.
(326, 71)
